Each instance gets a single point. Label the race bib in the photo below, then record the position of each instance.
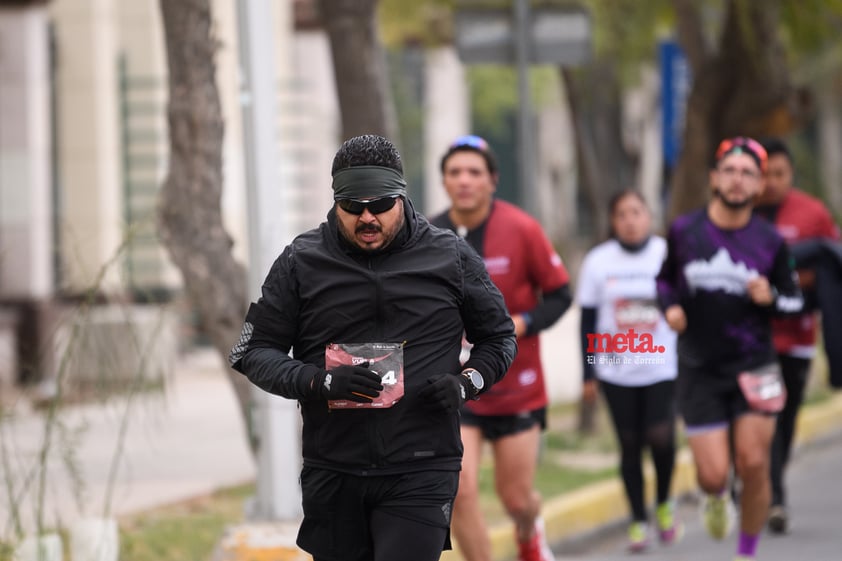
(642, 315)
(385, 359)
(764, 388)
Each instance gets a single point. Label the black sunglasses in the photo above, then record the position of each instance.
(374, 206)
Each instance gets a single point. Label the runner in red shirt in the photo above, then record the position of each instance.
(797, 217)
(523, 264)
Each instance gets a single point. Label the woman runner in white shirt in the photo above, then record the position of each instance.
(630, 353)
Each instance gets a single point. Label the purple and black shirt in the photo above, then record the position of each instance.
(706, 271)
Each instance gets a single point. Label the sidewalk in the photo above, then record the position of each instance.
(185, 441)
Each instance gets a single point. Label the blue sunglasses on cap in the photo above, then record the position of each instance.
(472, 141)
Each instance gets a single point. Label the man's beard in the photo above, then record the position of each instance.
(733, 205)
(388, 237)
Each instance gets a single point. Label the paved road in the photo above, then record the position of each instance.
(816, 535)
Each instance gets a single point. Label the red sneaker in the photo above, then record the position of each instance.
(536, 549)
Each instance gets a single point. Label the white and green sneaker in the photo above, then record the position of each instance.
(638, 537)
(718, 515)
(670, 529)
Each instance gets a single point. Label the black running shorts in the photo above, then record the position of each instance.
(708, 398)
(364, 518)
(494, 427)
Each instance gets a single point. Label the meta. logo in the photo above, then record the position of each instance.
(631, 342)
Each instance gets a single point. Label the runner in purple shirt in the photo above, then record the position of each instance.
(726, 273)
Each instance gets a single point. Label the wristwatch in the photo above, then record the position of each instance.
(475, 379)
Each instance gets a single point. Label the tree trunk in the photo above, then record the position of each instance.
(359, 68)
(740, 88)
(605, 167)
(189, 211)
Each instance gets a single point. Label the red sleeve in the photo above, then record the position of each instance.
(546, 268)
(828, 227)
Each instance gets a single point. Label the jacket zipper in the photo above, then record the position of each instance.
(376, 452)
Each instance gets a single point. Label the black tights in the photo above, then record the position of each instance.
(643, 416)
(794, 371)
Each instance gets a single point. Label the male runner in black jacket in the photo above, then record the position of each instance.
(377, 482)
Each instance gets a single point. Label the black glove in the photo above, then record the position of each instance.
(446, 391)
(354, 383)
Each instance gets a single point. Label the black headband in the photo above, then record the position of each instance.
(367, 182)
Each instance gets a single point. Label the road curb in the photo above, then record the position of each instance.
(601, 504)
(266, 541)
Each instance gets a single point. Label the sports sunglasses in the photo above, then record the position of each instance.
(374, 206)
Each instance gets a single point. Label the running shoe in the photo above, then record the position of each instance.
(670, 530)
(536, 549)
(778, 520)
(638, 537)
(718, 515)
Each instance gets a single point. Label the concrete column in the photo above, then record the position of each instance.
(229, 83)
(288, 167)
(555, 175)
(446, 115)
(91, 211)
(313, 115)
(26, 271)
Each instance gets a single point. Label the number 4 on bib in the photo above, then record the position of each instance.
(390, 378)
(384, 359)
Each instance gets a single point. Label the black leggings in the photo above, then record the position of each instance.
(643, 416)
(794, 371)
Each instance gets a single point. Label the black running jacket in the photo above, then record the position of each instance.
(426, 289)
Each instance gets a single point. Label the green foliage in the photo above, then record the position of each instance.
(805, 161)
(811, 26)
(419, 22)
(568, 441)
(550, 481)
(626, 30)
(623, 30)
(493, 93)
(186, 531)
